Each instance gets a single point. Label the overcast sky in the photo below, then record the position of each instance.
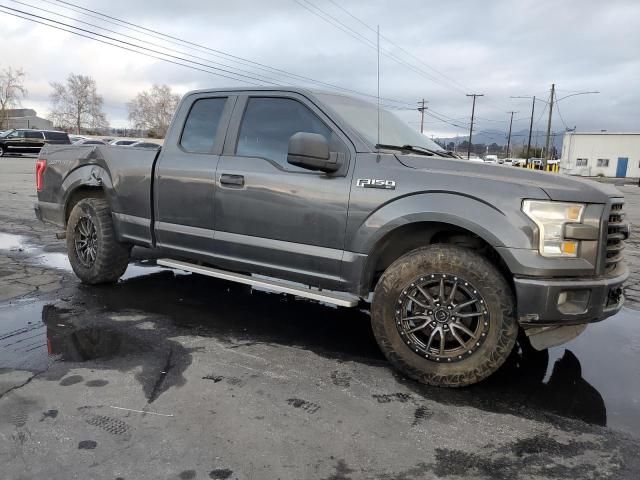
(498, 48)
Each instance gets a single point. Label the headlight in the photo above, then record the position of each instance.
(550, 217)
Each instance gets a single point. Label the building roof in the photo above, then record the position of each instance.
(20, 112)
(602, 133)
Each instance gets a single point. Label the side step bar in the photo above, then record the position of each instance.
(335, 298)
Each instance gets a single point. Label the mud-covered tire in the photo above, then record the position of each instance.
(110, 257)
(499, 322)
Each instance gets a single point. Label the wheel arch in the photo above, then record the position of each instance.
(410, 236)
(90, 181)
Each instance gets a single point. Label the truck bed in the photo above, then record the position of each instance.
(124, 173)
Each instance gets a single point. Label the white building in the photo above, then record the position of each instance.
(612, 154)
(25, 118)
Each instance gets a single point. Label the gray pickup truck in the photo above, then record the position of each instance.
(307, 193)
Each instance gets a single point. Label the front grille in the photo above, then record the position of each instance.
(615, 237)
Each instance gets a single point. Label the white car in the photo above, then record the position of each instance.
(122, 142)
(476, 159)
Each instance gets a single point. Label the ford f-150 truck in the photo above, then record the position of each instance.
(309, 194)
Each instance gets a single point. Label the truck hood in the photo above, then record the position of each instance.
(557, 186)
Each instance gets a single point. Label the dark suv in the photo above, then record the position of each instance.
(30, 141)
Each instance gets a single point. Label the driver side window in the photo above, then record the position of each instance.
(269, 123)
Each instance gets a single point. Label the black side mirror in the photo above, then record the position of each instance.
(311, 151)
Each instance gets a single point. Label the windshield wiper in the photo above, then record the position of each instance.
(415, 149)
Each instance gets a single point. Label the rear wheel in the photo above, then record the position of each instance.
(444, 316)
(94, 253)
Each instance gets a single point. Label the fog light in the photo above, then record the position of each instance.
(574, 302)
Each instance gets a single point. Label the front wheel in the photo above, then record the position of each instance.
(444, 315)
(94, 253)
(2, 150)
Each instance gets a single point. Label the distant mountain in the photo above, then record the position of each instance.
(519, 137)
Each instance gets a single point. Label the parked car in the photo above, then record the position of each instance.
(30, 141)
(298, 192)
(122, 142)
(490, 159)
(75, 138)
(476, 159)
(151, 145)
(508, 162)
(89, 141)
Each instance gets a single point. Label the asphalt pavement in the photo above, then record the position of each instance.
(179, 376)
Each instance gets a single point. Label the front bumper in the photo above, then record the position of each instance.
(596, 298)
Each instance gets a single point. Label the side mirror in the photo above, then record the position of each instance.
(311, 151)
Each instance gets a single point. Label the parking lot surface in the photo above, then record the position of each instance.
(173, 375)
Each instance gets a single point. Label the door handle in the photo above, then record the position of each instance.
(232, 180)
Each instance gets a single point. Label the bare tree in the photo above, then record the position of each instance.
(153, 109)
(77, 104)
(11, 90)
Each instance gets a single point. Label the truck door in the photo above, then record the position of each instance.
(273, 217)
(184, 182)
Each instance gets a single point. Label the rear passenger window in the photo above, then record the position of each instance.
(268, 124)
(33, 134)
(57, 136)
(200, 129)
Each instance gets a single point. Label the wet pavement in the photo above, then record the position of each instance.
(590, 379)
(173, 375)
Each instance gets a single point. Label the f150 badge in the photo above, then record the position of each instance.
(376, 183)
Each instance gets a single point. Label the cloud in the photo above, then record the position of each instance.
(500, 48)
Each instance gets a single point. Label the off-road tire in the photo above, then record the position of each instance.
(499, 339)
(111, 258)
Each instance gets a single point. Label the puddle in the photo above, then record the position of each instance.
(34, 335)
(60, 261)
(11, 242)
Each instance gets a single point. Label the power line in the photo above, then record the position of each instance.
(140, 39)
(317, 11)
(232, 72)
(362, 22)
(118, 46)
(210, 51)
(228, 72)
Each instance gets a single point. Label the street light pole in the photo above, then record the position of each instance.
(473, 111)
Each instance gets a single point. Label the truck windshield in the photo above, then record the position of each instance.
(363, 117)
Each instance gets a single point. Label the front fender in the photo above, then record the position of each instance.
(498, 225)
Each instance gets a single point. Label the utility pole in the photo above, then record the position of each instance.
(546, 149)
(421, 110)
(509, 140)
(533, 109)
(473, 111)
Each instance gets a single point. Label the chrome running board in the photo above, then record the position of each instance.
(334, 298)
